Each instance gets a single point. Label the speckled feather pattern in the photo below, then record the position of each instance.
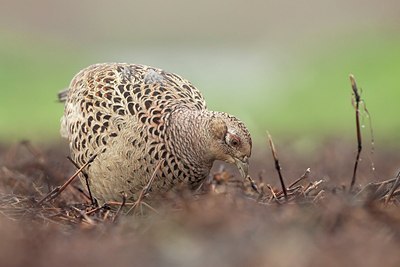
(132, 116)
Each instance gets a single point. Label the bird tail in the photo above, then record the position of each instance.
(62, 95)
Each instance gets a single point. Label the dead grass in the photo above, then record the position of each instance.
(227, 223)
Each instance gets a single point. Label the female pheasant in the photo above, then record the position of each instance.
(139, 120)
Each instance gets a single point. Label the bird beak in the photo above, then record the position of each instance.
(243, 166)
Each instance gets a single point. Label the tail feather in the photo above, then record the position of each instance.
(62, 95)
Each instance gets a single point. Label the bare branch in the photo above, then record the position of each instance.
(56, 191)
(277, 165)
(145, 188)
(357, 99)
(92, 200)
(304, 176)
(393, 189)
(124, 196)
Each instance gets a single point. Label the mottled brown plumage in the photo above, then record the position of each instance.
(134, 116)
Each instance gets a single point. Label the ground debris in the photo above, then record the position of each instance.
(185, 228)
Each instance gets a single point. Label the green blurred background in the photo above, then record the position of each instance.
(281, 66)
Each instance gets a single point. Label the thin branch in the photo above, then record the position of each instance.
(118, 203)
(318, 196)
(357, 99)
(304, 176)
(81, 191)
(371, 133)
(150, 207)
(95, 210)
(106, 214)
(56, 191)
(145, 188)
(312, 186)
(124, 196)
(393, 189)
(92, 200)
(277, 165)
(273, 195)
(85, 216)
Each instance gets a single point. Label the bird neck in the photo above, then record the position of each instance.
(188, 138)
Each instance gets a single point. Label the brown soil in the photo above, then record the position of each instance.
(227, 223)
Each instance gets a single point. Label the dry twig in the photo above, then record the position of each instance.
(312, 186)
(92, 200)
(277, 165)
(357, 99)
(273, 195)
(393, 189)
(304, 176)
(84, 215)
(57, 190)
(124, 196)
(145, 188)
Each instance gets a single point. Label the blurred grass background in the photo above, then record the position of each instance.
(281, 66)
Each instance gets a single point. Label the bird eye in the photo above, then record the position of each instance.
(235, 141)
(232, 140)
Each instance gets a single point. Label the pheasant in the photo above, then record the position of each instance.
(144, 123)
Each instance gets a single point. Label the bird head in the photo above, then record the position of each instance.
(231, 141)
